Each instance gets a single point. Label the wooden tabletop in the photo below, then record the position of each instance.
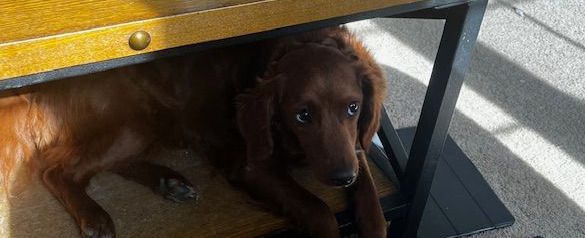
(43, 35)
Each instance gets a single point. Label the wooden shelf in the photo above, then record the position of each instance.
(222, 210)
(40, 36)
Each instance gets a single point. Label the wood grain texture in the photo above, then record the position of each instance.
(222, 210)
(39, 36)
(30, 19)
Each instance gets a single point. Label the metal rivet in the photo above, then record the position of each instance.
(139, 40)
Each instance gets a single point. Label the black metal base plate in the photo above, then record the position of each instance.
(461, 202)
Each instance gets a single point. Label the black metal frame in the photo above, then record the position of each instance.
(412, 171)
(462, 23)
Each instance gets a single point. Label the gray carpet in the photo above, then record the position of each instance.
(521, 113)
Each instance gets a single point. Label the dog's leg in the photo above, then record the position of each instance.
(279, 190)
(92, 219)
(368, 212)
(165, 181)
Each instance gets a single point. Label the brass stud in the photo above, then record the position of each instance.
(139, 40)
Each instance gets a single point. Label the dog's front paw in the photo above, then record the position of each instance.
(176, 190)
(98, 226)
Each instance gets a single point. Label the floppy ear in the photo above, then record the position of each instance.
(373, 85)
(254, 112)
(373, 89)
(372, 80)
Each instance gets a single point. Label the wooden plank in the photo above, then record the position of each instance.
(222, 210)
(30, 19)
(65, 34)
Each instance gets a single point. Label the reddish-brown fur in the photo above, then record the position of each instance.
(323, 71)
(69, 130)
(235, 105)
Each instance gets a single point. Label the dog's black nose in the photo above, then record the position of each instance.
(343, 177)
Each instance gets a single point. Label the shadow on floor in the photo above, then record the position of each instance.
(553, 114)
(539, 207)
(541, 24)
(505, 172)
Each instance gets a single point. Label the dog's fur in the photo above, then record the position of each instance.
(236, 106)
(69, 130)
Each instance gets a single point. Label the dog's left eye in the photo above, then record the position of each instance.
(352, 109)
(303, 116)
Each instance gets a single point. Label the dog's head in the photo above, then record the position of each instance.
(326, 95)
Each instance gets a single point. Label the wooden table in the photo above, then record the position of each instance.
(436, 191)
(47, 38)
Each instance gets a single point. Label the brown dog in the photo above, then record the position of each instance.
(70, 130)
(254, 110)
(312, 99)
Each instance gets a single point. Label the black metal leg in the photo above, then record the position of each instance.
(459, 35)
(393, 146)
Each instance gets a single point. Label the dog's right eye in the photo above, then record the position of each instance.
(304, 116)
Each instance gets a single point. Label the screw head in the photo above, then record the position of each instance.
(139, 40)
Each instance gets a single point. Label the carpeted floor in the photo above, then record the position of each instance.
(521, 113)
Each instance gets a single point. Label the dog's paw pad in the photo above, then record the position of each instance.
(176, 190)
